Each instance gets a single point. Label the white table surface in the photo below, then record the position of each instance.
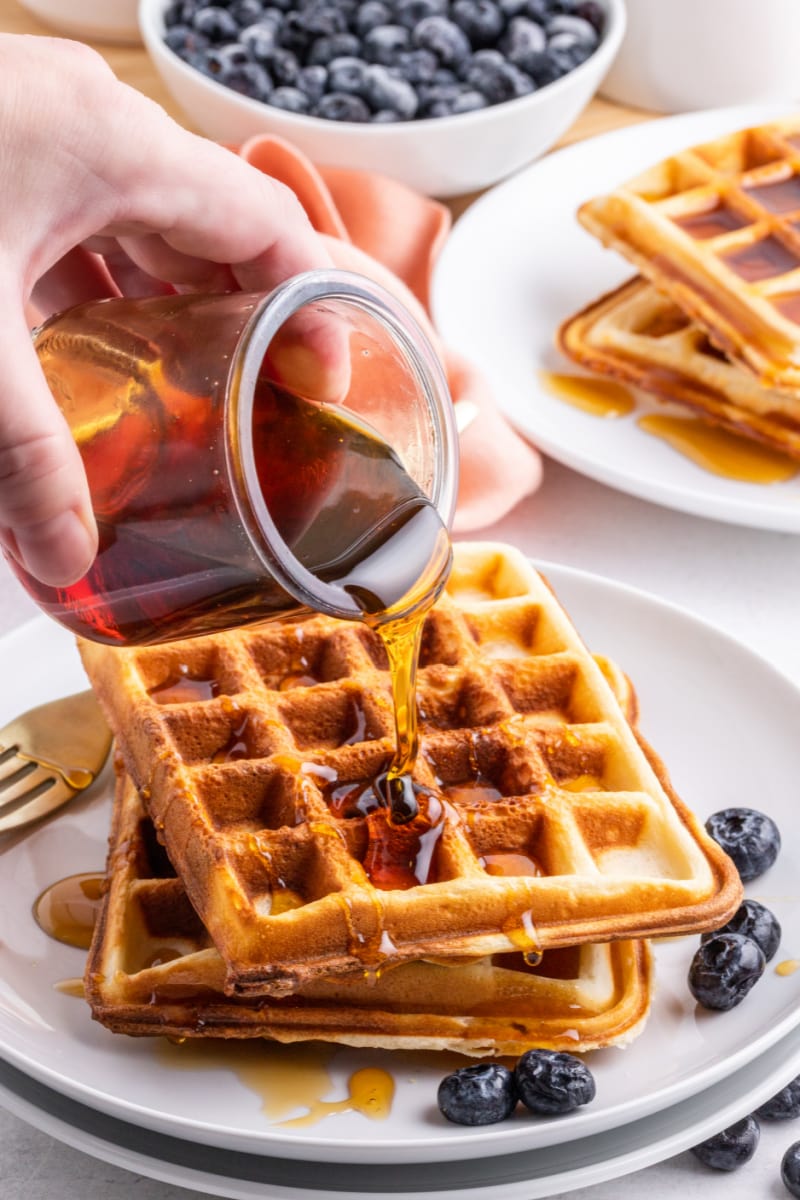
(745, 581)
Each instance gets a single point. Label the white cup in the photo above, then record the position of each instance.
(679, 55)
(94, 20)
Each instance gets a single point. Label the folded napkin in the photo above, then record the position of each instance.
(393, 235)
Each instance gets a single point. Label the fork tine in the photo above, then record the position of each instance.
(29, 782)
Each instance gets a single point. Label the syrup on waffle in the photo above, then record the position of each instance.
(153, 970)
(717, 228)
(638, 335)
(255, 752)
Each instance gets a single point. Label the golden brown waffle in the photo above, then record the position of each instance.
(640, 336)
(153, 970)
(549, 824)
(717, 228)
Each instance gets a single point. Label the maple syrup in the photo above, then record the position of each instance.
(720, 452)
(403, 855)
(599, 397)
(67, 910)
(778, 196)
(762, 260)
(712, 222)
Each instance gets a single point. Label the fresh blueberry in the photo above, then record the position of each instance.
(478, 1095)
(582, 30)
(248, 79)
(312, 80)
(337, 45)
(568, 51)
(790, 1169)
(481, 20)
(543, 69)
(245, 12)
(784, 1106)
(384, 116)
(260, 39)
(550, 1082)
(186, 43)
(755, 921)
(539, 10)
(323, 20)
(592, 12)
(294, 35)
(338, 106)
(489, 73)
(383, 43)
(371, 14)
(724, 969)
(523, 42)
(216, 23)
(181, 12)
(511, 8)
(732, 1148)
(220, 61)
(461, 102)
(749, 837)
(416, 66)
(348, 75)
(290, 99)
(282, 65)
(411, 12)
(449, 43)
(387, 91)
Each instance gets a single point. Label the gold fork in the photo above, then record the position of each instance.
(48, 755)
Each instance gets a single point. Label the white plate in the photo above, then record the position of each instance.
(530, 1175)
(724, 720)
(518, 263)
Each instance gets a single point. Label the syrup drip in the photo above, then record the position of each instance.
(510, 864)
(296, 681)
(183, 688)
(369, 1092)
(350, 800)
(238, 745)
(600, 397)
(720, 452)
(67, 910)
(401, 856)
(788, 966)
(474, 791)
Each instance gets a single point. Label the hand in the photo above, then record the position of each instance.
(101, 193)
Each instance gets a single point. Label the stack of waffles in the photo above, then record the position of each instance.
(713, 321)
(256, 886)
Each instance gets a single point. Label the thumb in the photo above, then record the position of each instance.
(46, 520)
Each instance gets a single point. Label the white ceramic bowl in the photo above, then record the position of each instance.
(448, 156)
(95, 20)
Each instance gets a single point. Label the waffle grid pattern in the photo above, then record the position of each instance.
(717, 227)
(524, 746)
(640, 336)
(153, 970)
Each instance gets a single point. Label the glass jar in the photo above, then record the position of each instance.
(252, 456)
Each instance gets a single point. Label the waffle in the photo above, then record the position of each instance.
(548, 822)
(717, 228)
(153, 969)
(638, 335)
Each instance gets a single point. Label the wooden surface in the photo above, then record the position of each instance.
(132, 65)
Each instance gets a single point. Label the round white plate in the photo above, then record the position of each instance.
(529, 1175)
(518, 263)
(725, 722)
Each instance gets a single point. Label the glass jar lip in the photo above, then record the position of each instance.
(272, 313)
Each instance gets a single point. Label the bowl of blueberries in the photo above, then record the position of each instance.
(447, 96)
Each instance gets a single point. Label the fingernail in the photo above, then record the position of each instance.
(59, 551)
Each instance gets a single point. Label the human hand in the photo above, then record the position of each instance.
(101, 193)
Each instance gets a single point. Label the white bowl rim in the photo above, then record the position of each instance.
(152, 28)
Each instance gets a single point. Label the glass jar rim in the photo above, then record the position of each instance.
(269, 316)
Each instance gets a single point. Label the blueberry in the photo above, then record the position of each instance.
(551, 1082)
(592, 12)
(481, 20)
(186, 43)
(323, 20)
(348, 75)
(294, 35)
(182, 12)
(449, 43)
(724, 969)
(411, 12)
(216, 23)
(370, 15)
(249, 79)
(756, 922)
(538, 10)
(283, 66)
(512, 8)
(259, 39)
(784, 1106)
(387, 91)
(416, 66)
(312, 81)
(542, 69)
(790, 1169)
(478, 1095)
(748, 836)
(290, 99)
(489, 73)
(336, 45)
(732, 1148)
(219, 61)
(574, 25)
(383, 43)
(245, 12)
(568, 51)
(523, 42)
(338, 106)
(385, 116)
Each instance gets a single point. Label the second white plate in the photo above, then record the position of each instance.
(518, 263)
(724, 720)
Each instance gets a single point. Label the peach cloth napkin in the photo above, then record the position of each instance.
(393, 235)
